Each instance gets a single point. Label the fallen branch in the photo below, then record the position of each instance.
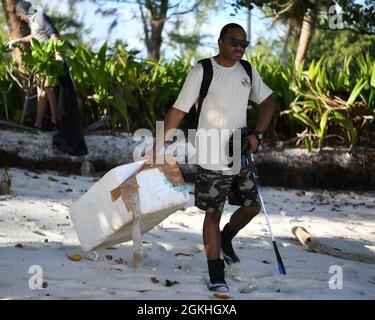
(292, 167)
(312, 244)
(10, 124)
(100, 124)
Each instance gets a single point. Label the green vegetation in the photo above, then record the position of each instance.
(323, 103)
(5, 80)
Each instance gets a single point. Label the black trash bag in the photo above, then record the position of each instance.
(69, 138)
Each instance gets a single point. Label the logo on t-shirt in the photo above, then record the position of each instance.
(245, 82)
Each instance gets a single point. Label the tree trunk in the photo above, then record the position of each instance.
(307, 31)
(157, 14)
(289, 29)
(153, 48)
(17, 28)
(291, 168)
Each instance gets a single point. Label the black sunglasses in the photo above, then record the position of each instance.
(234, 42)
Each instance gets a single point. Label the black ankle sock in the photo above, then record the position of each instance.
(216, 270)
(229, 255)
(227, 235)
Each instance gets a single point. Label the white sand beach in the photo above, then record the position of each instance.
(36, 230)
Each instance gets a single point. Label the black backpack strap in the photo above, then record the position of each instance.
(206, 81)
(247, 66)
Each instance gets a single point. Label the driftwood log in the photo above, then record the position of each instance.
(287, 167)
(12, 125)
(312, 244)
(103, 123)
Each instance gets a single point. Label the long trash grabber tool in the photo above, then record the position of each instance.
(255, 176)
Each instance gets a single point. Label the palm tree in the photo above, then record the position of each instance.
(307, 31)
(17, 29)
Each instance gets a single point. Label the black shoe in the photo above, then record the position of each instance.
(216, 273)
(38, 126)
(49, 127)
(227, 251)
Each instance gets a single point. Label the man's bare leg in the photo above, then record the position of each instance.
(41, 107)
(241, 217)
(211, 235)
(52, 99)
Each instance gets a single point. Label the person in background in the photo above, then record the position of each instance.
(42, 29)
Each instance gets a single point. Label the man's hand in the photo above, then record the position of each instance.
(12, 43)
(58, 56)
(254, 143)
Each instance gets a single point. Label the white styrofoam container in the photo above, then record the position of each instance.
(101, 223)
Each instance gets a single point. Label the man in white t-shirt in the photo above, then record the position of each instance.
(223, 110)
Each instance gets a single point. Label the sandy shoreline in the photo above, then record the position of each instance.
(36, 215)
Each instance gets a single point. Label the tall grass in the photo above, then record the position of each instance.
(324, 103)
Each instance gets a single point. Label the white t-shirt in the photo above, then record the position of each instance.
(224, 107)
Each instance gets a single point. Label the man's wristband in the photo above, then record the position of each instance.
(258, 135)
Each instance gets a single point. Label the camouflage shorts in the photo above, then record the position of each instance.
(213, 187)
